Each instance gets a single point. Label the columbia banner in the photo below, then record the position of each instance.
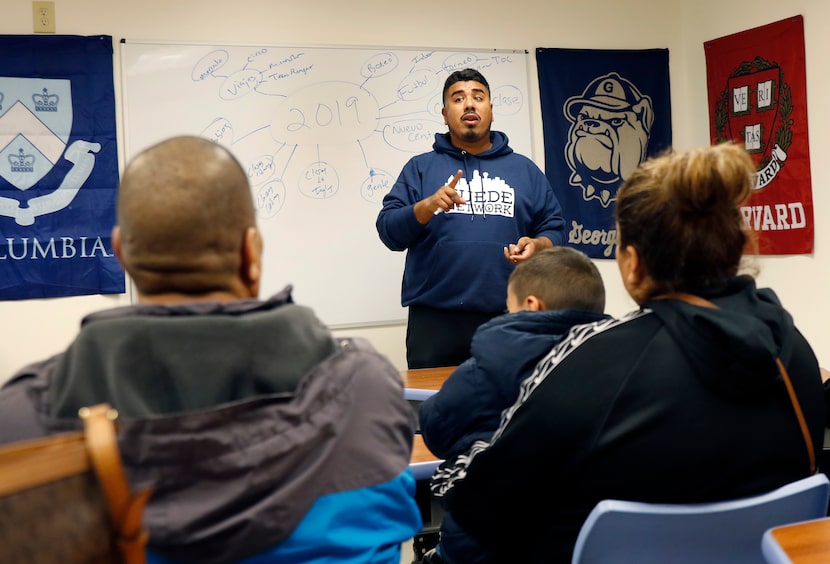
(58, 167)
(603, 113)
(757, 87)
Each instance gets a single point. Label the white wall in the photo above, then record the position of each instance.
(34, 328)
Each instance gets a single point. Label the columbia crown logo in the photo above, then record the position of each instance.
(36, 124)
(46, 102)
(22, 162)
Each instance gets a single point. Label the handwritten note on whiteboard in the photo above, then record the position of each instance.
(322, 133)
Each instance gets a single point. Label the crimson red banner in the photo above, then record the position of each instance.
(757, 88)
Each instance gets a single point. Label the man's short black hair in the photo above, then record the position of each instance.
(463, 76)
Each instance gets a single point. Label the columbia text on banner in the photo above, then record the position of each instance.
(757, 87)
(603, 113)
(58, 167)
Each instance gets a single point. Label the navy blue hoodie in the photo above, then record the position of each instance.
(456, 261)
(505, 350)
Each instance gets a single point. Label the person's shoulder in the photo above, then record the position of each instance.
(360, 346)
(609, 330)
(34, 372)
(22, 400)
(578, 316)
(358, 353)
(544, 320)
(511, 325)
(506, 342)
(365, 375)
(527, 162)
(517, 161)
(497, 322)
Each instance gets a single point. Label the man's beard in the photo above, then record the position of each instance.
(470, 134)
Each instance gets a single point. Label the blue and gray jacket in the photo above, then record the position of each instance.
(265, 439)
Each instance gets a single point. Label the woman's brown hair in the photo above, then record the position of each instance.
(681, 212)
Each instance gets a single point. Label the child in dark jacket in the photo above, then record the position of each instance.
(547, 294)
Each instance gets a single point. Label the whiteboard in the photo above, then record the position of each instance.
(323, 133)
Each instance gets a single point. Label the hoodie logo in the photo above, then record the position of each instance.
(485, 196)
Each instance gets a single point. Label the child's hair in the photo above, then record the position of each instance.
(562, 278)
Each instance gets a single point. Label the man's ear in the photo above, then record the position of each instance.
(251, 268)
(444, 113)
(116, 244)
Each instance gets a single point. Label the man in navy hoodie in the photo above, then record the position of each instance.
(467, 212)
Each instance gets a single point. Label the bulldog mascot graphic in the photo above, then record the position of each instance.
(608, 137)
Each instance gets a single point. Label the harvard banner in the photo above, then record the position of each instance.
(58, 167)
(603, 113)
(757, 88)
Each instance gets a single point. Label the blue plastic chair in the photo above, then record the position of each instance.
(416, 394)
(726, 531)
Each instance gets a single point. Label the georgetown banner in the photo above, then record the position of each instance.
(603, 113)
(757, 86)
(58, 167)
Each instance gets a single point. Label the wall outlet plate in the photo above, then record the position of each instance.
(43, 17)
